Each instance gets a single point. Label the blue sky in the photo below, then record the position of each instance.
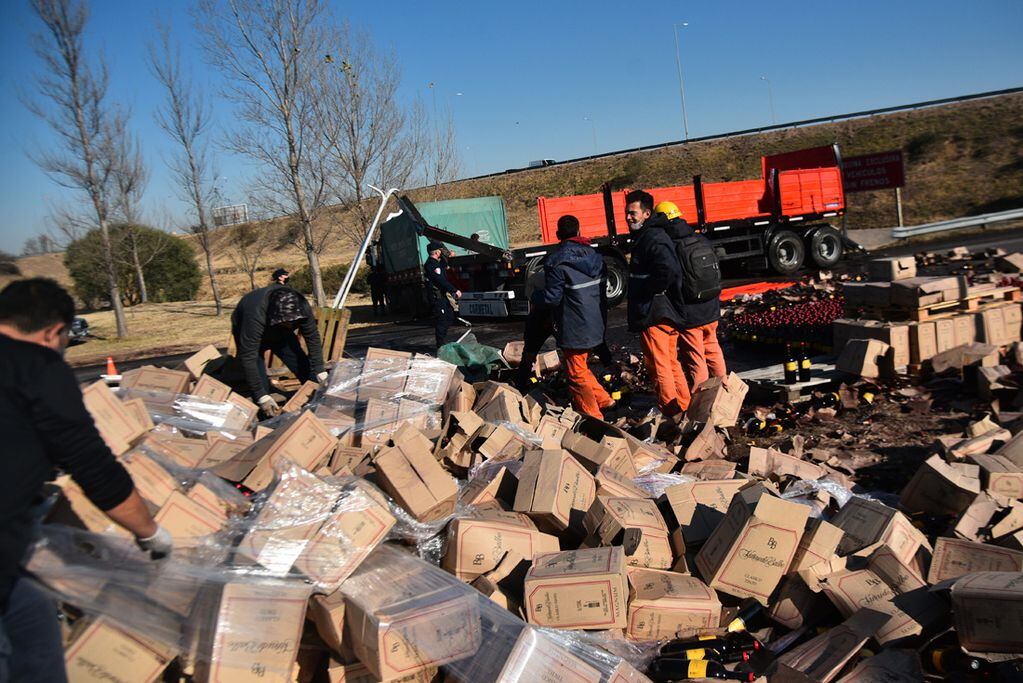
(530, 74)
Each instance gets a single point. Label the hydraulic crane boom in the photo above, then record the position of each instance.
(434, 233)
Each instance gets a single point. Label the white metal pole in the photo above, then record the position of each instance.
(346, 285)
(898, 203)
(681, 82)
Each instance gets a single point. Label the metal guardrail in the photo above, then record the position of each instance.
(957, 223)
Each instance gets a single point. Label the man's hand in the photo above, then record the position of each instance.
(159, 545)
(268, 406)
(322, 377)
(458, 294)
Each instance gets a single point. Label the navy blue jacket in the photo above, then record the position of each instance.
(692, 314)
(574, 288)
(437, 283)
(655, 278)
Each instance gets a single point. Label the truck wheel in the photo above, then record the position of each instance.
(825, 247)
(785, 252)
(617, 280)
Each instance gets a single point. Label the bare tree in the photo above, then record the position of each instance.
(248, 242)
(369, 135)
(129, 180)
(40, 244)
(443, 162)
(271, 52)
(186, 116)
(72, 100)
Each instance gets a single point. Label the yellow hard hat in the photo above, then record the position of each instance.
(668, 209)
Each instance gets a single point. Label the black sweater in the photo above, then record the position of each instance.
(45, 426)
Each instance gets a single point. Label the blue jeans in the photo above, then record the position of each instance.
(30, 640)
(291, 354)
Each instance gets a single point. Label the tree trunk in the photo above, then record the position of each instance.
(314, 269)
(140, 276)
(115, 291)
(213, 282)
(252, 280)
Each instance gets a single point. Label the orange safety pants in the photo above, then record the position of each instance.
(701, 353)
(588, 397)
(660, 353)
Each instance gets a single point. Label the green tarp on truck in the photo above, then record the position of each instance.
(403, 249)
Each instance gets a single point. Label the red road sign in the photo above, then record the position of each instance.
(873, 172)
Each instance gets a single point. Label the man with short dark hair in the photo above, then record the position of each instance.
(264, 320)
(654, 296)
(46, 427)
(574, 282)
(438, 287)
(280, 276)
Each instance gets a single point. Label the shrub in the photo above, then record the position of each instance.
(332, 278)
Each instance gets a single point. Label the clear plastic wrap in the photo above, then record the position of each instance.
(371, 398)
(655, 482)
(190, 413)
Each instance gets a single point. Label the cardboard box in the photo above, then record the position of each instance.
(866, 522)
(608, 519)
(918, 292)
(182, 450)
(197, 362)
(327, 612)
(116, 424)
(944, 334)
(256, 633)
(863, 357)
(892, 268)
(136, 407)
(709, 444)
(1000, 476)
(416, 481)
(187, 521)
(770, 464)
(149, 378)
(594, 455)
(500, 489)
(823, 657)
(477, 545)
(940, 488)
(552, 431)
(965, 329)
(819, 543)
(153, 482)
(409, 624)
(584, 588)
(891, 666)
(554, 490)
(248, 408)
(612, 483)
(923, 341)
(753, 547)
(305, 442)
(384, 373)
(106, 652)
(1012, 315)
(991, 327)
(536, 657)
(699, 507)
(665, 605)
(221, 449)
(378, 421)
(987, 608)
(430, 380)
(954, 557)
(794, 604)
(710, 469)
(718, 401)
(301, 397)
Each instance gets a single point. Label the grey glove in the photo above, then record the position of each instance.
(268, 406)
(159, 545)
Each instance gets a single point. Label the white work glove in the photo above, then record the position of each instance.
(322, 377)
(268, 406)
(159, 545)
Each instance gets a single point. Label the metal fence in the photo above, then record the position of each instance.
(957, 223)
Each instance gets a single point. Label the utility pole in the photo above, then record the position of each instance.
(770, 97)
(681, 82)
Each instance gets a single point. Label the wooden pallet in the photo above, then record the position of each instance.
(968, 304)
(768, 383)
(332, 324)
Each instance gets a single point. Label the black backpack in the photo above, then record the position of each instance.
(701, 275)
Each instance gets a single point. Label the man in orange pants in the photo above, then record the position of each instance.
(700, 305)
(574, 280)
(654, 296)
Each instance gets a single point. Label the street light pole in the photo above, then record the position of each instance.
(681, 82)
(593, 126)
(770, 97)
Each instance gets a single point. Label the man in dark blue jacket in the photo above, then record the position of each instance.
(655, 297)
(574, 281)
(437, 289)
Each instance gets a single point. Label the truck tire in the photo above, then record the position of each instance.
(617, 280)
(785, 252)
(825, 246)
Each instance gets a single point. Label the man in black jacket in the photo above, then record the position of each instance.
(698, 339)
(266, 319)
(574, 286)
(46, 427)
(654, 299)
(437, 289)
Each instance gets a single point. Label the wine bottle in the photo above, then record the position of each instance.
(791, 366)
(804, 363)
(749, 609)
(664, 670)
(722, 646)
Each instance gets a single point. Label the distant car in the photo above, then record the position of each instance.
(79, 330)
(540, 163)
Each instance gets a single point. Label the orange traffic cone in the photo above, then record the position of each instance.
(111, 368)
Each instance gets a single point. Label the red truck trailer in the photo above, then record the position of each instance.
(777, 221)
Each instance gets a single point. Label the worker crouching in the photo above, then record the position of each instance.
(574, 287)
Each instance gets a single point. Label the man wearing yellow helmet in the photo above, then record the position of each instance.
(700, 306)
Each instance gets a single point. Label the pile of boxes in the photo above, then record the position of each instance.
(539, 525)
